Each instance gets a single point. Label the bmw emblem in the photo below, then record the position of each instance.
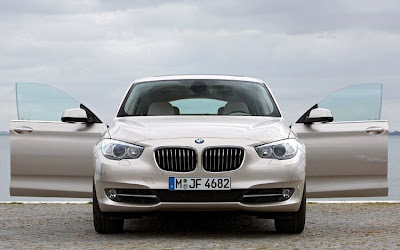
(199, 141)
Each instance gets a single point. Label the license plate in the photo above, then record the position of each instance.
(199, 183)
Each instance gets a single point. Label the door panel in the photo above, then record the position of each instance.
(54, 159)
(347, 158)
(50, 157)
(343, 159)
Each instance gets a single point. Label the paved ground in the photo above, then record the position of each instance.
(328, 226)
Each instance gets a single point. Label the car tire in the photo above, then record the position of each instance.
(295, 224)
(103, 224)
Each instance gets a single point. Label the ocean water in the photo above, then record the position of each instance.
(394, 168)
(393, 177)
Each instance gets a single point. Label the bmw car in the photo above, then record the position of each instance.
(200, 143)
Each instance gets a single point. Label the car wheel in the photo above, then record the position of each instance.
(102, 224)
(295, 224)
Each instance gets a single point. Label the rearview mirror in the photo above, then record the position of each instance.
(319, 115)
(74, 115)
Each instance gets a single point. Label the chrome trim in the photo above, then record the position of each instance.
(179, 161)
(138, 195)
(23, 129)
(375, 129)
(260, 195)
(184, 162)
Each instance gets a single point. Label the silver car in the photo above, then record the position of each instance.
(199, 143)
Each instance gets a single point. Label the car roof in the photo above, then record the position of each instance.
(203, 77)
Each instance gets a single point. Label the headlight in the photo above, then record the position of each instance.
(118, 150)
(281, 150)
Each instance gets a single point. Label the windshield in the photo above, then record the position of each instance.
(198, 97)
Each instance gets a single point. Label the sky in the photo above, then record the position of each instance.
(304, 50)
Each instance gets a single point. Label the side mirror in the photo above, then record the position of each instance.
(74, 115)
(319, 115)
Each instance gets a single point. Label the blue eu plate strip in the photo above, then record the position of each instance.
(171, 185)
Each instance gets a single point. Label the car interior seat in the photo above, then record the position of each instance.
(161, 108)
(176, 110)
(236, 108)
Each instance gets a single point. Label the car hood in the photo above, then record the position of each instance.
(142, 128)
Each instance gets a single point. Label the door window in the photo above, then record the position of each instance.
(360, 102)
(42, 102)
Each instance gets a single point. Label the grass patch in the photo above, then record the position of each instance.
(14, 203)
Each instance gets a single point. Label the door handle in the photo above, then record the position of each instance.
(377, 130)
(23, 130)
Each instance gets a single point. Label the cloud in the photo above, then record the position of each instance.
(304, 50)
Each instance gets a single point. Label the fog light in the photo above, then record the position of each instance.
(112, 194)
(286, 193)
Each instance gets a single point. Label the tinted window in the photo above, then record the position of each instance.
(360, 102)
(355, 103)
(42, 102)
(199, 97)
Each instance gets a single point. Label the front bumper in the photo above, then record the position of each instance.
(255, 173)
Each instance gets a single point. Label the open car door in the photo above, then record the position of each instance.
(348, 156)
(50, 157)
